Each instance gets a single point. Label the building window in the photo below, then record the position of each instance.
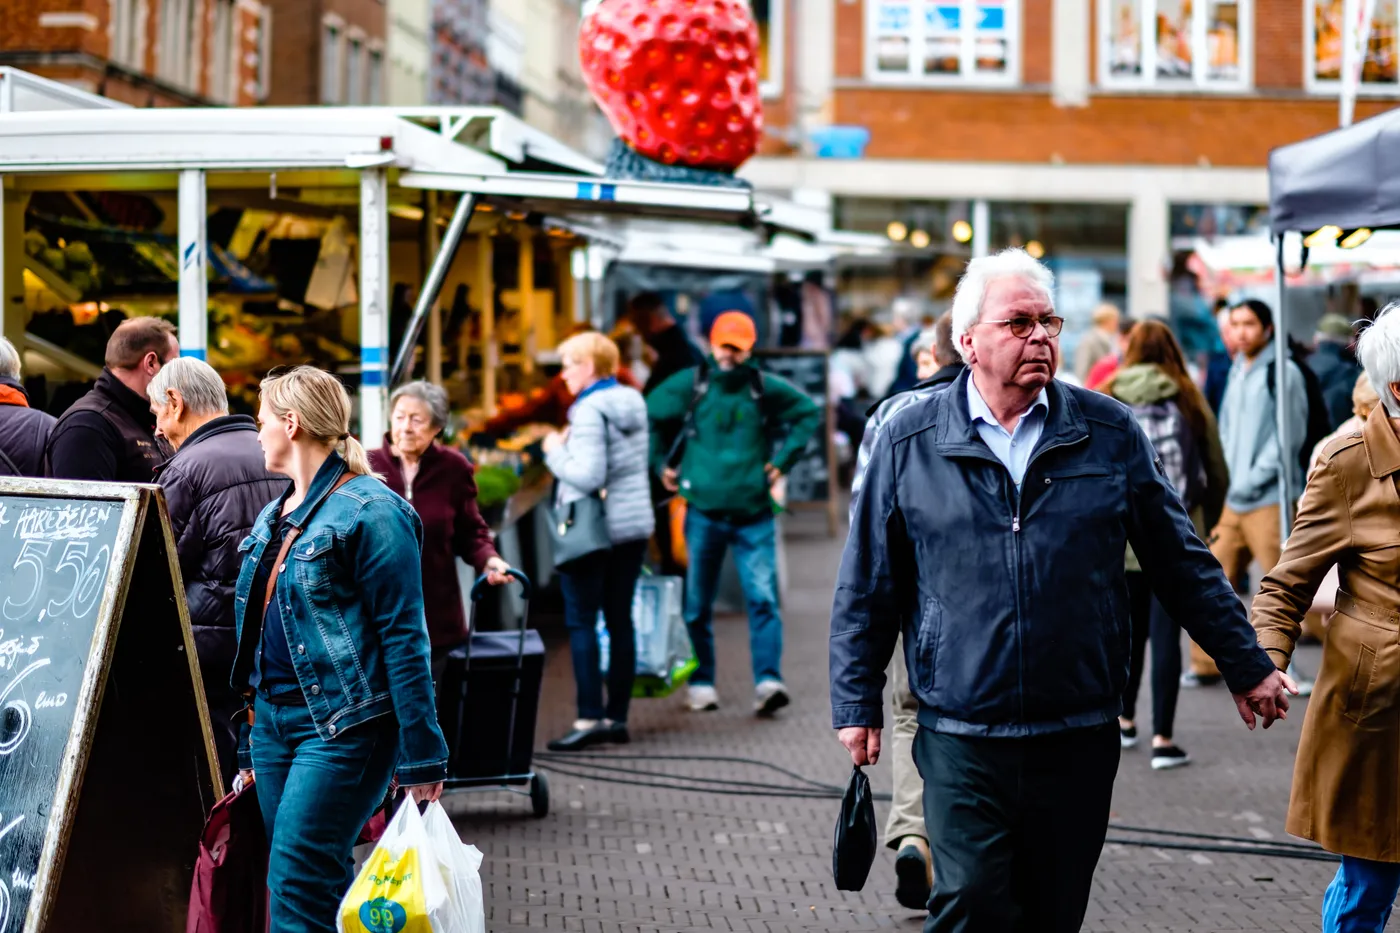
(330, 64)
(771, 44)
(944, 41)
(1204, 44)
(223, 59)
(176, 61)
(1327, 33)
(354, 72)
(375, 77)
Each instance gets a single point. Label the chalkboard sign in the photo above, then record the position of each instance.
(106, 758)
(811, 482)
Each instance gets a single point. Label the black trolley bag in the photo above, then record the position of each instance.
(488, 700)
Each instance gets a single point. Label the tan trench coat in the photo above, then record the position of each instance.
(1346, 783)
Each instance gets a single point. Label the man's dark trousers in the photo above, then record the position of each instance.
(1016, 827)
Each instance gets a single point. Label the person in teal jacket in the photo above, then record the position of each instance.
(724, 465)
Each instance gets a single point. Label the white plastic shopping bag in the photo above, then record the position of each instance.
(401, 887)
(461, 866)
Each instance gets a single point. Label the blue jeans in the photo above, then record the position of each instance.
(1359, 899)
(603, 582)
(756, 558)
(316, 797)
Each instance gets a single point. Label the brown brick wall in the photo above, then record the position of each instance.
(369, 15)
(1037, 39)
(850, 39)
(1025, 127)
(296, 53)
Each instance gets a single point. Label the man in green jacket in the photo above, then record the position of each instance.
(728, 413)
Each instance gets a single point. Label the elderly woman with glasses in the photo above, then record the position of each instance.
(439, 483)
(1346, 795)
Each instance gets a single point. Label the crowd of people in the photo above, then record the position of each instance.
(1127, 478)
(319, 654)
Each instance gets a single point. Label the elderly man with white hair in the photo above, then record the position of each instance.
(24, 431)
(1345, 795)
(990, 533)
(215, 486)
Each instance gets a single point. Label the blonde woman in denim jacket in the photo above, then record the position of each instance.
(332, 647)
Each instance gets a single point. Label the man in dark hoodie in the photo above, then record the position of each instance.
(109, 433)
(23, 430)
(215, 486)
(938, 364)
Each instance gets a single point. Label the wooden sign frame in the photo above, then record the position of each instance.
(107, 862)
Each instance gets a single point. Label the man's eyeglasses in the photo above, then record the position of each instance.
(1022, 326)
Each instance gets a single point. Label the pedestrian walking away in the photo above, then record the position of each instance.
(990, 533)
(24, 430)
(724, 467)
(604, 453)
(440, 484)
(1174, 415)
(939, 366)
(215, 486)
(110, 434)
(1345, 796)
(333, 647)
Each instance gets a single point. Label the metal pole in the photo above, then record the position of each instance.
(374, 304)
(428, 251)
(1285, 485)
(194, 275)
(433, 286)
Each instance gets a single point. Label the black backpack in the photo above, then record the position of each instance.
(699, 387)
(1319, 420)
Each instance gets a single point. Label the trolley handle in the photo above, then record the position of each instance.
(526, 586)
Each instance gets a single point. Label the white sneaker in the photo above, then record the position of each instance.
(703, 699)
(769, 697)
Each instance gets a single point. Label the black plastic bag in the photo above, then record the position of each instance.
(854, 849)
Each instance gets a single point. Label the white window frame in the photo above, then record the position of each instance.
(223, 47)
(777, 49)
(332, 44)
(375, 75)
(353, 79)
(968, 76)
(1332, 87)
(1199, 81)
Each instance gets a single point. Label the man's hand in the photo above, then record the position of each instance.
(425, 793)
(671, 480)
(1269, 699)
(774, 474)
(862, 743)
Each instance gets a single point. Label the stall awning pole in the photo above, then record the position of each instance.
(194, 252)
(430, 243)
(432, 286)
(374, 305)
(1285, 430)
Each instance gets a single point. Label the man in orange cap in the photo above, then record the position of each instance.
(731, 417)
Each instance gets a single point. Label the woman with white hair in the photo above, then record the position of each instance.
(215, 486)
(1345, 793)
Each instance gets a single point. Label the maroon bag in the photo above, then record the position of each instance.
(229, 894)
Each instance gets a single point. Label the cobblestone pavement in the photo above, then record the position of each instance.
(615, 857)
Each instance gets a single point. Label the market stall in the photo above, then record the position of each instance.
(1334, 189)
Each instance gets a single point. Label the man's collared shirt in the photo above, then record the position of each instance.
(1012, 448)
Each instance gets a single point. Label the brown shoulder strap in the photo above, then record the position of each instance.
(289, 539)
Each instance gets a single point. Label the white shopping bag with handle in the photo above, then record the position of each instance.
(460, 865)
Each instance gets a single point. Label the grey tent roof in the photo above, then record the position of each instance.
(1348, 177)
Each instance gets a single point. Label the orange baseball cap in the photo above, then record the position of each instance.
(734, 329)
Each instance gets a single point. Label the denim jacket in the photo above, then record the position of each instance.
(354, 618)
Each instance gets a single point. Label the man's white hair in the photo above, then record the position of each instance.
(1378, 348)
(196, 381)
(9, 359)
(1013, 263)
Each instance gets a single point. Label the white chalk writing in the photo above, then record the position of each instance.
(45, 701)
(12, 649)
(20, 881)
(61, 523)
(23, 718)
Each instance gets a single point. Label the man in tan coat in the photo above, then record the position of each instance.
(1346, 783)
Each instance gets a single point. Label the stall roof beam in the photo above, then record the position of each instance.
(23, 92)
(503, 134)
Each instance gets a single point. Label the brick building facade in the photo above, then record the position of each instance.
(329, 52)
(148, 53)
(974, 107)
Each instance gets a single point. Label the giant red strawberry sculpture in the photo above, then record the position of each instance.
(678, 79)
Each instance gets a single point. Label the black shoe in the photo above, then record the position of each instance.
(912, 888)
(1169, 757)
(1127, 736)
(580, 739)
(616, 733)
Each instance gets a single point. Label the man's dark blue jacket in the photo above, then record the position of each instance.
(1014, 607)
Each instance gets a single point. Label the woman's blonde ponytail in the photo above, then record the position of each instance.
(323, 411)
